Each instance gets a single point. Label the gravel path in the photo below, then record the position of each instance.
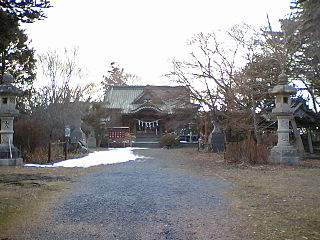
(146, 199)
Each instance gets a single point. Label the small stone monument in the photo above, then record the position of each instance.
(283, 152)
(217, 139)
(9, 154)
(77, 136)
(92, 141)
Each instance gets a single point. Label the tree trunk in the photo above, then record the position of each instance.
(314, 102)
(98, 141)
(3, 66)
(255, 122)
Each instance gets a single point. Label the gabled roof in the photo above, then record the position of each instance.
(129, 99)
(146, 106)
(304, 116)
(147, 96)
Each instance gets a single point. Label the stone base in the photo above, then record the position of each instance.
(7, 153)
(283, 155)
(10, 157)
(11, 162)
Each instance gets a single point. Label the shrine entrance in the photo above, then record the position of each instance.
(146, 122)
(148, 127)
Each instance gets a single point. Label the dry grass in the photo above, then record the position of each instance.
(277, 202)
(23, 190)
(246, 151)
(269, 201)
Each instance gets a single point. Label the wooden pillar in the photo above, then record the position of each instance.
(298, 138)
(134, 126)
(310, 141)
(65, 149)
(160, 127)
(49, 152)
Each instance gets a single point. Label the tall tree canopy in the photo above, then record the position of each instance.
(229, 72)
(117, 76)
(295, 48)
(309, 17)
(60, 73)
(15, 54)
(308, 13)
(301, 40)
(25, 11)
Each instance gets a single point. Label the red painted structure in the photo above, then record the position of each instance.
(117, 133)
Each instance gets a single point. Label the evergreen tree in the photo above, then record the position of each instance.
(15, 54)
(308, 13)
(296, 47)
(306, 64)
(117, 76)
(25, 11)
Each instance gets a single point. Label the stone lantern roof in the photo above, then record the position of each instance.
(282, 88)
(10, 90)
(7, 89)
(7, 78)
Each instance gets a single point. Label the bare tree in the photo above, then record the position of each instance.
(61, 100)
(61, 72)
(222, 75)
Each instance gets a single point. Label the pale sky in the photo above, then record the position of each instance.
(142, 36)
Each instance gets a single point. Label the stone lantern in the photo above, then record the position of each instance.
(9, 154)
(283, 152)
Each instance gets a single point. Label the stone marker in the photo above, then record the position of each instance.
(217, 139)
(92, 142)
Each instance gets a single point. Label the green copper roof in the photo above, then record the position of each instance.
(130, 98)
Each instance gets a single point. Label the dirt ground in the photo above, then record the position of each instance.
(24, 190)
(269, 201)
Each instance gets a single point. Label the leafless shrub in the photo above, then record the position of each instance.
(246, 151)
(32, 137)
(169, 140)
(30, 134)
(39, 156)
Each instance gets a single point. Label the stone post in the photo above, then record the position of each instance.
(283, 152)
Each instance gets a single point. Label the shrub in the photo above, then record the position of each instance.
(246, 151)
(169, 140)
(39, 156)
(30, 134)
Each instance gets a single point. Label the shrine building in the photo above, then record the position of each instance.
(149, 109)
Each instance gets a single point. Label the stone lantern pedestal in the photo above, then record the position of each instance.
(283, 152)
(9, 154)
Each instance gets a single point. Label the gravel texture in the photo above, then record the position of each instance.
(150, 198)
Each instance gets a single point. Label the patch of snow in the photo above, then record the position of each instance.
(111, 156)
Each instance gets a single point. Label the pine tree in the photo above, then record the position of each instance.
(117, 76)
(15, 54)
(307, 56)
